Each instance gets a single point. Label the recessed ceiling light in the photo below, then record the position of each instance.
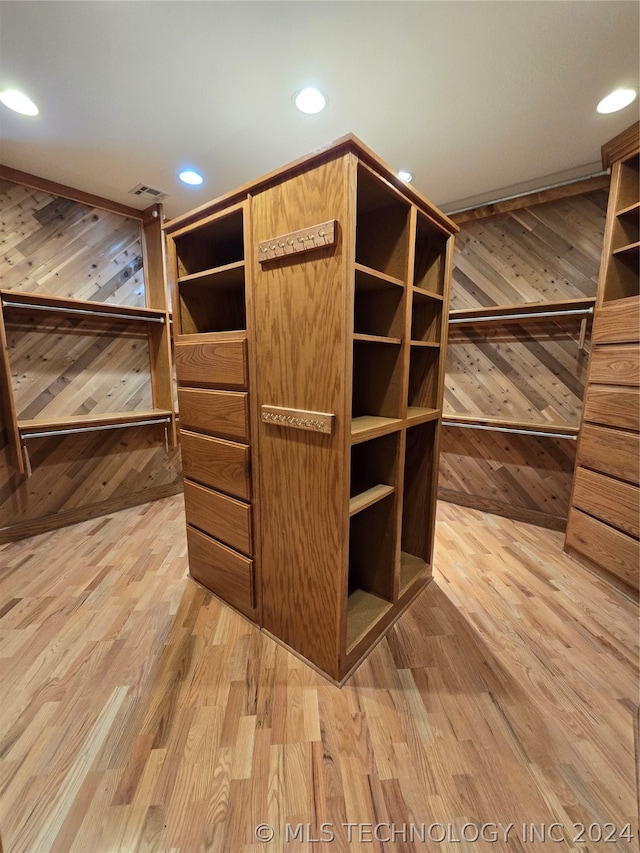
(191, 177)
(617, 100)
(310, 100)
(405, 176)
(17, 101)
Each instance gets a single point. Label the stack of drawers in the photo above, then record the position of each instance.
(603, 522)
(214, 435)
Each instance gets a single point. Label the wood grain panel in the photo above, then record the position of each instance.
(224, 413)
(618, 321)
(611, 451)
(220, 516)
(222, 465)
(223, 571)
(610, 500)
(221, 363)
(617, 407)
(526, 372)
(301, 319)
(613, 551)
(617, 364)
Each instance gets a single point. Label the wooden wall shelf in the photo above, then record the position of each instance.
(38, 427)
(13, 300)
(357, 329)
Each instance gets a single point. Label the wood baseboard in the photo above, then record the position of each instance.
(32, 527)
(530, 516)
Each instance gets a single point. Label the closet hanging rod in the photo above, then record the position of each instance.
(111, 314)
(71, 430)
(534, 432)
(532, 315)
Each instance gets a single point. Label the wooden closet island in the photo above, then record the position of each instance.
(310, 313)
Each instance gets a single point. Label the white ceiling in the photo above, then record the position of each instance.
(477, 99)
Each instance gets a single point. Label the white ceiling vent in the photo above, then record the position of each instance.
(149, 193)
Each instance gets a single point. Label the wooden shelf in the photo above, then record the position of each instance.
(226, 276)
(630, 210)
(516, 313)
(376, 339)
(410, 568)
(375, 278)
(16, 300)
(427, 294)
(433, 344)
(421, 414)
(369, 497)
(629, 249)
(367, 426)
(87, 423)
(510, 425)
(364, 610)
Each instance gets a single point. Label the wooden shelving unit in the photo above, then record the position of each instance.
(334, 438)
(104, 318)
(603, 525)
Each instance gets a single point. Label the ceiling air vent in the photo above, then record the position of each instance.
(150, 193)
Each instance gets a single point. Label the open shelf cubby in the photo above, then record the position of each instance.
(429, 268)
(420, 471)
(382, 226)
(377, 380)
(374, 471)
(424, 368)
(213, 301)
(629, 183)
(622, 275)
(372, 552)
(626, 228)
(426, 320)
(378, 306)
(215, 243)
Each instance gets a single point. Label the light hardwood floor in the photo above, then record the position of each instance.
(140, 714)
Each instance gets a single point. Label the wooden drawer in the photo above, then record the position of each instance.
(613, 551)
(617, 321)
(615, 365)
(617, 407)
(610, 451)
(223, 571)
(223, 465)
(222, 517)
(224, 413)
(212, 363)
(610, 500)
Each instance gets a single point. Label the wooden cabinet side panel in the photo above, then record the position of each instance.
(301, 335)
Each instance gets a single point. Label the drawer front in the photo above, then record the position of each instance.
(615, 365)
(610, 500)
(222, 517)
(613, 551)
(213, 363)
(617, 322)
(223, 571)
(224, 413)
(610, 451)
(222, 465)
(618, 407)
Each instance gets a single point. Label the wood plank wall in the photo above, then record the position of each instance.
(533, 372)
(56, 246)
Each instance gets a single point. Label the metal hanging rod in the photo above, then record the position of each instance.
(111, 314)
(529, 316)
(71, 430)
(535, 432)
